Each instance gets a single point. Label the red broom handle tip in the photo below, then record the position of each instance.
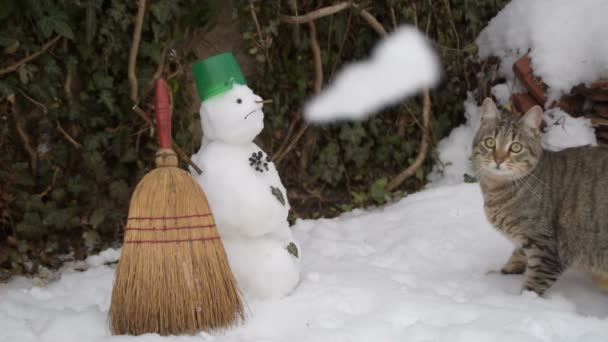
(163, 114)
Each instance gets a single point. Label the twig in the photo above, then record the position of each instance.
(32, 100)
(262, 42)
(339, 55)
(376, 26)
(451, 20)
(52, 185)
(139, 20)
(316, 57)
(175, 146)
(424, 146)
(141, 7)
(292, 143)
(393, 18)
(311, 135)
(67, 85)
(68, 137)
(286, 139)
(316, 14)
(158, 73)
(25, 138)
(373, 22)
(426, 111)
(25, 60)
(144, 116)
(185, 157)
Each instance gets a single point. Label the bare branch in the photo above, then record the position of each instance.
(316, 14)
(175, 146)
(424, 146)
(35, 55)
(373, 22)
(139, 20)
(26, 140)
(318, 82)
(68, 137)
(316, 57)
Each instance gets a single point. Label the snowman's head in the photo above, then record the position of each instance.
(234, 117)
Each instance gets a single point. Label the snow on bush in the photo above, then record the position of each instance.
(401, 65)
(563, 131)
(567, 40)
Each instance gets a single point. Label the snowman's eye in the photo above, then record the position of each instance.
(239, 100)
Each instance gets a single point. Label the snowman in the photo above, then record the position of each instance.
(245, 194)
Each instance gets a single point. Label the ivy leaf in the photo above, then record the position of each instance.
(378, 190)
(276, 192)
(46, 26)
(293, 249)
(119, 191)
(98, 216)
(63, 29)
(161, 10)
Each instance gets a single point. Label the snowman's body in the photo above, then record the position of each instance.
(246, 196)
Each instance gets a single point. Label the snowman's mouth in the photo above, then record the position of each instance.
(253, 111)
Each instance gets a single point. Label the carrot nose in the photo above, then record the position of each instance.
(264, 101)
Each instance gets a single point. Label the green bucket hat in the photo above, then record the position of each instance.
(216, 75)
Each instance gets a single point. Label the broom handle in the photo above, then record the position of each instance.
(163, 114)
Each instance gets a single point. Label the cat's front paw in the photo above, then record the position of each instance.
(531, 292)
(514, 268)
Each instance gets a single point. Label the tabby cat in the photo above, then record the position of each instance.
(552, 205)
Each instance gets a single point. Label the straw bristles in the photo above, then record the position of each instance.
(173, 276)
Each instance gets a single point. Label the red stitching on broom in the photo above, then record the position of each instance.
(172, 241)
(168, 217)
(171, 228)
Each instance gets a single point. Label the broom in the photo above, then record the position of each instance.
(173, 276)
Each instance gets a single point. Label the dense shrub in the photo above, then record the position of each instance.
(72, 148)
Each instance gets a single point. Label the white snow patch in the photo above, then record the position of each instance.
(401, 65)
(567, 40)
(564, 131)
(109, 255)
(455, 150)
(401, 272)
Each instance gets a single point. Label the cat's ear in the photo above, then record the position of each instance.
(533, 119)
(489, 112)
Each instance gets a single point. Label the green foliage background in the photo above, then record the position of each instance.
(72, 149)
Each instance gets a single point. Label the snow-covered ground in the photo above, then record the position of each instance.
(410, 271)
(415, 270)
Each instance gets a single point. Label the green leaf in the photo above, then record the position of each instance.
(276, 192)
(293, 249)
(63, 29)
(46, 26)
(161, 10)
(119, 191)
(98, 216)
(378, 190)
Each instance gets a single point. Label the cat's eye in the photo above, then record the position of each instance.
(239, 100)
(516, 147)
(489, 142)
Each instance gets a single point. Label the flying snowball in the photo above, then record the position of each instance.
(401, 65)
